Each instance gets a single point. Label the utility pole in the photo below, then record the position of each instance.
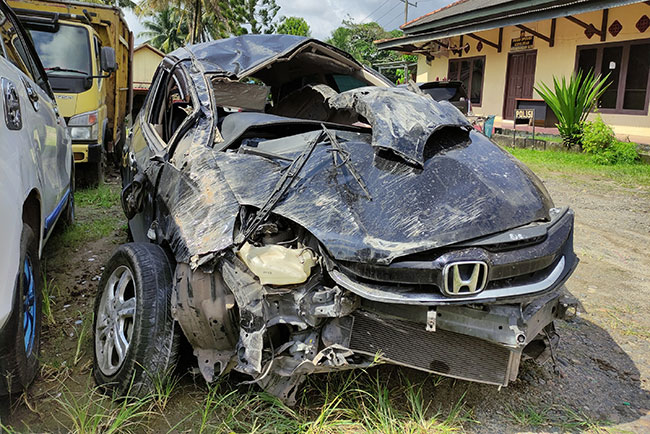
(406, 9)
(406, 20)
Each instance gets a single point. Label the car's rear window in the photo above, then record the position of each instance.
(443, 93)
(347, 82)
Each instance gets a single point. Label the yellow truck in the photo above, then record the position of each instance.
(87, 52)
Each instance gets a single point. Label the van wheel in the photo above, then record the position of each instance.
(135, 338)
(20, 339)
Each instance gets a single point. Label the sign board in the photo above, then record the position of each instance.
(524, 116)
(522, 43)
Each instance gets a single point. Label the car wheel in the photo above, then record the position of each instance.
(135, 337)
(20, 340)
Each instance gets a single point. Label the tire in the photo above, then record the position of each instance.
(96, 171)
(20, 338)
(147, 335)
(92, 174)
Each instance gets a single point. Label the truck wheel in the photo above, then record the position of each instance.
(97, 170)
(92, 174)
(136, 338)
(20, 340)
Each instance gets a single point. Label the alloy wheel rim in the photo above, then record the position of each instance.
(115, 320)
(29, 306)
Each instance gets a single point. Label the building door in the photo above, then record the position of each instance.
(520, 79)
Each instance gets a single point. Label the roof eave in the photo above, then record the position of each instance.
(489, 23)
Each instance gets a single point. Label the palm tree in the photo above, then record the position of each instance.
(129, 4)
(203, 19)
(167, 29)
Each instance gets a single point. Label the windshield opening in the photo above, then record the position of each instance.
(65, 55)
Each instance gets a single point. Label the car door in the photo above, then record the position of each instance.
(168, 102)
(144, 142)
(43, 127)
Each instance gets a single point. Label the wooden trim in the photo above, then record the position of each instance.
(500, 40)
(552, 41)
(535, 33)
(584, 25)
(603, 27)
(620, 96)
(485, 41)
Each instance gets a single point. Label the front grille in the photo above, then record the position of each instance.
(441, 352)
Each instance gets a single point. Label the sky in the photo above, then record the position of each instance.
(323, 16)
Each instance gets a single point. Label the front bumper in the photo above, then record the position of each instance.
(87, 152)
(344, 317)
(477, 344)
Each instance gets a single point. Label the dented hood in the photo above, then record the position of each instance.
(465, 190)
(402, 121)
(432, 181)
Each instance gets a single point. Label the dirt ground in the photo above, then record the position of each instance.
(603, 356)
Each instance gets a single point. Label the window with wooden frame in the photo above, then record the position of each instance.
(469, 71)
(628, 66)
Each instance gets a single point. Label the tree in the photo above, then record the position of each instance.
(358, 40)
(259, 15)
(215, 19)
(129, 4)
(294, 26)
(166, 30)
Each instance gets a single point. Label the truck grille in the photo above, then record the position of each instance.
(441, 352)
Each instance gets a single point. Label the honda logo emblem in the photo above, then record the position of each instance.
(464, 278)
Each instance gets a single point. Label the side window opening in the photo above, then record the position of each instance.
(171, 104)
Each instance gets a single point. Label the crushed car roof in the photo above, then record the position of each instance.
(237, 55)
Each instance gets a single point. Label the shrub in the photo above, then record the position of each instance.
(598, 140)
(597, 136)
(571, 102)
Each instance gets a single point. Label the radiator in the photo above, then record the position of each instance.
(440, 352)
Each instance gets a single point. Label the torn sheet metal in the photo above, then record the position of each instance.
(468, 190)
(235, 57)
(401, 121)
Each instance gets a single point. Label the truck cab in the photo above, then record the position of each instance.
(77, 82)
(86, 51)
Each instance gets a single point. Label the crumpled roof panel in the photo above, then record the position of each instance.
(237, 55)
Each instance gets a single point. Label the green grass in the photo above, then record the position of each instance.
(48, 289)
(105, 196)
(87, 231)
(637, 174)
(529, 416)
(93, 412)
(355, 402)
(98, 216)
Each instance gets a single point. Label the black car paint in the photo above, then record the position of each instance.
(446, 192)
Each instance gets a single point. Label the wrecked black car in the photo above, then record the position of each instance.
(294, 213)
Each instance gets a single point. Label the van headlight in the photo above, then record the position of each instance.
(83, 127)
